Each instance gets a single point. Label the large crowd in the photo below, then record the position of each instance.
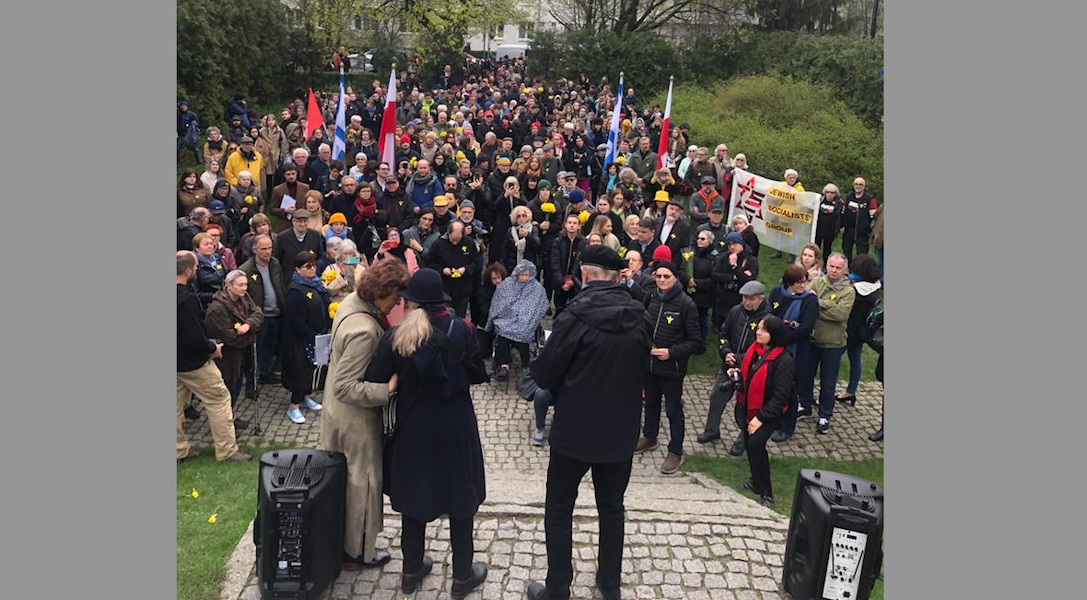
(501, 208)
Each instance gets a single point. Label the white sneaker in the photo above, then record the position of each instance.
(310, 404)
(295, 415)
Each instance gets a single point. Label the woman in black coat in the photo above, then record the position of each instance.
(434, 460)
(797, 307)
(769, 382)
(305, 311)
(701, 287)
(730, 273)
(830, 215)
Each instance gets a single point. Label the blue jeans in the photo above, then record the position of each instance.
(268, 344)
(827, 360)
(540, 401)
(879, 261)
(854, 354)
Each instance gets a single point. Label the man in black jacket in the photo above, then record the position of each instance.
(671, 321)
(455, 258)
(299, 238)
(674, 231)
(856, 219)
(585, 366)
(564, 257)
(736, 335)
(197, 373)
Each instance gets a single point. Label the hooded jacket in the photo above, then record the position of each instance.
(517, 308)
(868, 295)
(585, 365)
(737, 331)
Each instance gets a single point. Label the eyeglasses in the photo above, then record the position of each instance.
(664, 276)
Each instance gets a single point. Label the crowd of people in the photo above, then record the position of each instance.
(498, 210)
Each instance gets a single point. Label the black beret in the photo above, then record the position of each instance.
(603, 257)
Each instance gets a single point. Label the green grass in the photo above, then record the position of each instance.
(228, 490)
(733, 472)
(770, 272)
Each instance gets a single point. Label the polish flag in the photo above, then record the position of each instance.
(314, 120)
(663, 160)
(387, 137)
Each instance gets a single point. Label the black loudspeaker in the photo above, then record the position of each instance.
(300, 522)
(835, 546)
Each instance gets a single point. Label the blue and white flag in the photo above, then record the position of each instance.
(613, 135)
(339, 144)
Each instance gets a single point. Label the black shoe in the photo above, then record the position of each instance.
(463, 588)
(250, 391)
(270, 378)
(704, 438)
(748, 486)
(803, 412)
(537, 591)
(192, 414)
(608, 594)
(851, 399)
(502, 374)
(877, 436)
(738, 446)
(823, 426)
(351, 563)
(240, 424)
(410, 581)
(767, 501)
(780, 436)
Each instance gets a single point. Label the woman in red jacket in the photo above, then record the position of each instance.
(768, 381)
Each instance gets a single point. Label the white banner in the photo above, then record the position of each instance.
(783, 218)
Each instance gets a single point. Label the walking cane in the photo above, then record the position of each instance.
(256, 390)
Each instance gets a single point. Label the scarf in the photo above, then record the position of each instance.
(708, 199)
(420, 180)
(314, 283)
(366, 210)
(517, 308)
(217, 146)
(518, 242)
(248, 156)
(793, 312)
(755, 383)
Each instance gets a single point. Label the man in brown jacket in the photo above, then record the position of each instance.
(290, 187)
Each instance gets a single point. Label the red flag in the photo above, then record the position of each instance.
(386, 142)
(663, 161)
(313, 115)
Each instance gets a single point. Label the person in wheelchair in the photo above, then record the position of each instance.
(518, 306)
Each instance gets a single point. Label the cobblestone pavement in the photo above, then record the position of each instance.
(686, 536)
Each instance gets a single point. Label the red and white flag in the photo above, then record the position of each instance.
(663, 160)
(387, 137)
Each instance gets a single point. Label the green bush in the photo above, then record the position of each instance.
(782, 123)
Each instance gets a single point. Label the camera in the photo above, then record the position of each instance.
(732, 383)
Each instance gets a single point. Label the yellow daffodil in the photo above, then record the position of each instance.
(249, 199)
(328, 276)
(455, 274)
(414, 161)
(548, 207)
(622, 251)
(687, 255)
(583, 216)
(195, 494)
(213, 518)
(332, 308)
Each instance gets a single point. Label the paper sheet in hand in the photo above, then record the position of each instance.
(288, 202)
(322, 349)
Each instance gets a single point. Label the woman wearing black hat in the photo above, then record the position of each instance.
(434, 460)
(306, 315)
(768, 376)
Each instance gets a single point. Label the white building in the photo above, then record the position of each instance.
(514, 38)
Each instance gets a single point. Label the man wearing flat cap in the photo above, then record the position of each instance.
(586, 367)
(299, 238)
(245, 159)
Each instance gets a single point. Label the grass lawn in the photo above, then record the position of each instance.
(227, 490)
(733, 472)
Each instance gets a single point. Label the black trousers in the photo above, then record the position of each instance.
(503, 354)
(460, 306)
(757, 457)
(610, 483)
(413, 533)
(826, 244)
(672, 390)
(561, 298)
(848, 240)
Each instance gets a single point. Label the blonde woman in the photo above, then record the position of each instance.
(434, 457)
(602, 227)
(811, 258)
(317, 215)
(523, 240)
(213, 174)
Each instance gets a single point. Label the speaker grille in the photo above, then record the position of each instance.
(295, 471)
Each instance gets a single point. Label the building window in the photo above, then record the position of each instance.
(525, 30)
(358, 22)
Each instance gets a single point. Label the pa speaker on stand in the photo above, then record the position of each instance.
(835, 545)
(300, 522)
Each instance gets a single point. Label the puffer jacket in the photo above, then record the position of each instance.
(737, 332)
(672, 322)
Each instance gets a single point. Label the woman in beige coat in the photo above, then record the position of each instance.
(352, 408)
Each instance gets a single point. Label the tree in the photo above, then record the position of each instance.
(620, 16)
